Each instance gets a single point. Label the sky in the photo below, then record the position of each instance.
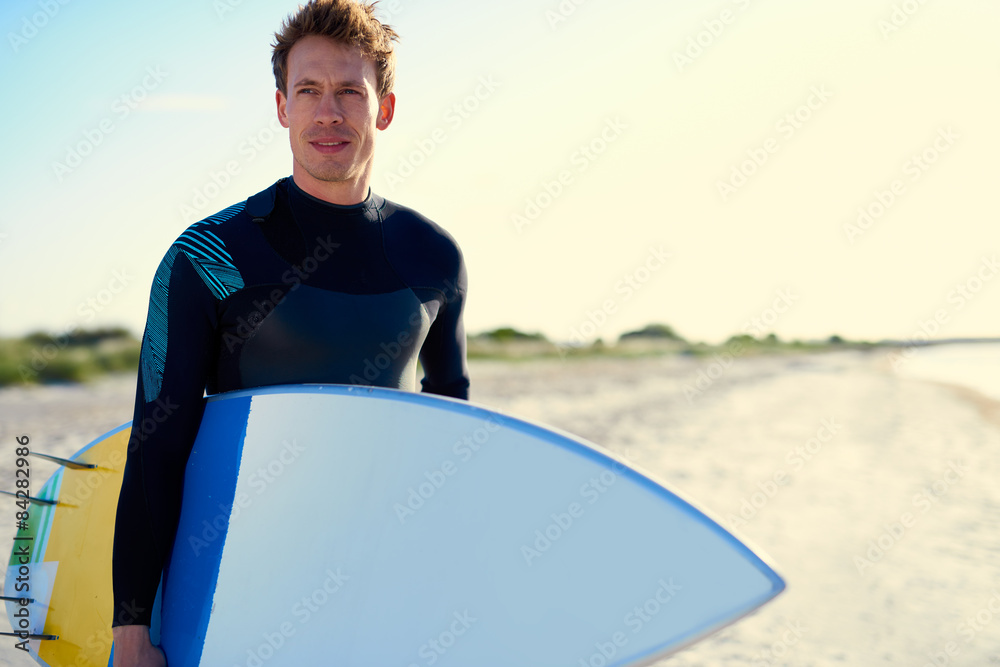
(735, 166)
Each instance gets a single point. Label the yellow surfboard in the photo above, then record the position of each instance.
(61, 560)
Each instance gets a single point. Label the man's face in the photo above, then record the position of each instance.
(332, 111)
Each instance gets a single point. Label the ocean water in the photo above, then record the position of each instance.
(975, 366)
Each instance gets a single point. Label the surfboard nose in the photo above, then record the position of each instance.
(321, 520)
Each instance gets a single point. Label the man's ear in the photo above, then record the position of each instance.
(282, 102)
(386, 109)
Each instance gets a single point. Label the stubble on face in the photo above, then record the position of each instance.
(332, 99)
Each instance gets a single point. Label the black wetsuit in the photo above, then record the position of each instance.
(282, 288)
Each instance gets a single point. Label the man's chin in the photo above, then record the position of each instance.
(330, 174)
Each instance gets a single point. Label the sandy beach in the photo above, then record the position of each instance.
(874, 495)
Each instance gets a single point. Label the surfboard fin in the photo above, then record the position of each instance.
(40, 501)
(75, 465)
(20, 636)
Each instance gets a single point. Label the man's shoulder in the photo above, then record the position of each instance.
(229, 224)
(424, 252)
(413, 228)
(207, 239)
(209, 246)
(236, 218)
(217, 223)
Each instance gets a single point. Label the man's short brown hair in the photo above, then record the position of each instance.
(346, 21)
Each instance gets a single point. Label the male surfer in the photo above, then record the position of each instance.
(315, 279)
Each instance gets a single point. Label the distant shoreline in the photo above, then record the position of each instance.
(42, 358)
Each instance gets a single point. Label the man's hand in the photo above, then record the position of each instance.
(134, 649)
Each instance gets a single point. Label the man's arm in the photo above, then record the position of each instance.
(176, 355)
(443, 357)
(133, 648)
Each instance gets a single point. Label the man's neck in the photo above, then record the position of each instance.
(343, 193)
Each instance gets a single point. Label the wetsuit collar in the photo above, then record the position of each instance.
(302, 200)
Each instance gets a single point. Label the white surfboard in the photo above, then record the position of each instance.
(372, 527)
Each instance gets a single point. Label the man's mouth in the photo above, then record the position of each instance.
(329, 147)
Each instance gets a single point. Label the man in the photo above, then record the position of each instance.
(311, 280)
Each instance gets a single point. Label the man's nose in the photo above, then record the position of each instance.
(328, 110)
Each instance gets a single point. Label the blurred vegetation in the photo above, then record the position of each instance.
(507, 335)
(657, 331)
(507, 343)
(82, 355)
(653, 339)
(76, 356)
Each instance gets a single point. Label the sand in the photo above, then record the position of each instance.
(876, 496)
